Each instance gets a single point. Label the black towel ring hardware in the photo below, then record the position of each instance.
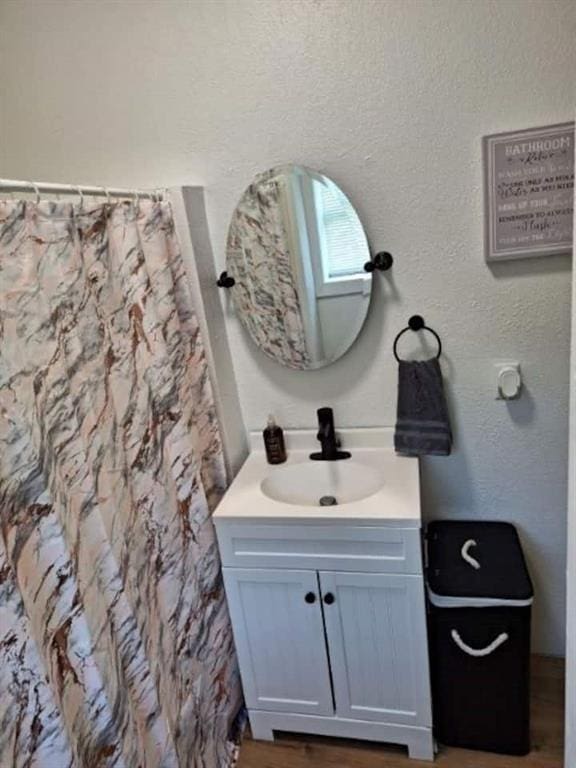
(416, 323)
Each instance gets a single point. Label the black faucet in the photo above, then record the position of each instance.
(327, 437)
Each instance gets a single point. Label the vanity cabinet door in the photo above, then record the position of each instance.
(279, 636)
(376, 630)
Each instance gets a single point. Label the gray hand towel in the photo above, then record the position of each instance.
(422, 421)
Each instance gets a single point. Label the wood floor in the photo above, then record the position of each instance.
(293, 751)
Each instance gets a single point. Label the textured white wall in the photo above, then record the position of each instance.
(390, 99)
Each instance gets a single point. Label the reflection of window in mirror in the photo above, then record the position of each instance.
(339, 248)
(342, 238)
(329, 250)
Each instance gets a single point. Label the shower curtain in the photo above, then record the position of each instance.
(115, 644)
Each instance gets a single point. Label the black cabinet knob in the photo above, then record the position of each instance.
(310, 597)
(329, 598)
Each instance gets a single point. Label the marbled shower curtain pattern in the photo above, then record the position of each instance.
(115, 644)
(260, 260)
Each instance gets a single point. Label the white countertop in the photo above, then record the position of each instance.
(396, 502)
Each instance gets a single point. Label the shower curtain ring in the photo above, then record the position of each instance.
(108, 196)
(81, 195)
(37, 190)
(136, 200)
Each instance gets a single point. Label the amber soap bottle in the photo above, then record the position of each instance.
(274, 442)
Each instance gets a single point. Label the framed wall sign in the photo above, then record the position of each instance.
(529, 192)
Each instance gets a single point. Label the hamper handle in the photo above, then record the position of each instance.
(469, 559)
(479, 652)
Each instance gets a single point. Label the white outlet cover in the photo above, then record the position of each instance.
(508, 380)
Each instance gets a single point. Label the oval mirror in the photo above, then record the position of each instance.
(296, 250)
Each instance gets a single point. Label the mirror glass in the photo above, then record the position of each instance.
(296, 250)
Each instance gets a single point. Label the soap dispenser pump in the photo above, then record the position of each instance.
(274, 442)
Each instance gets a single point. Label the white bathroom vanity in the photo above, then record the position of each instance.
(327, 602)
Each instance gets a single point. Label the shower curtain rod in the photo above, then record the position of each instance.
(12, 185)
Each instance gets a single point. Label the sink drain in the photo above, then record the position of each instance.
(328, 501)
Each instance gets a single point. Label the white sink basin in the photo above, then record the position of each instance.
(374, 486)
(305, 484)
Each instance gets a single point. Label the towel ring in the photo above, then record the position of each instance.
(416, 323)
